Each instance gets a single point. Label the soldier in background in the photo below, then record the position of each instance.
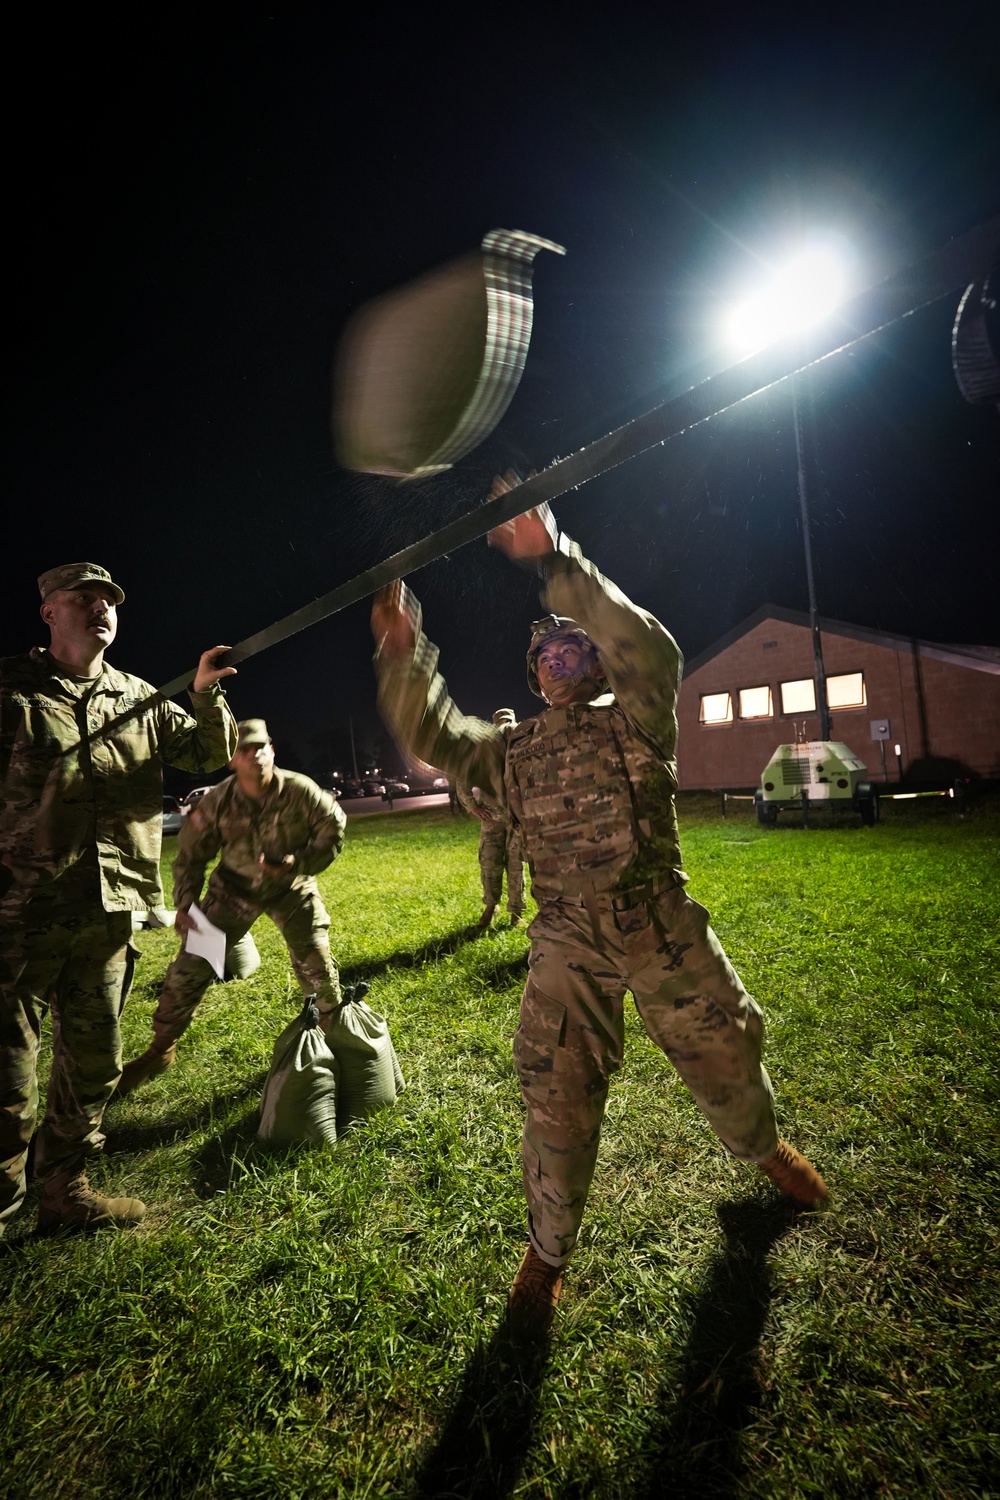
(82, 749)
(274, 831)
(591, 783)
(499, 843)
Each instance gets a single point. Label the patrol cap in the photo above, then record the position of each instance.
(541, 630)
(72, 575)
(252, 732)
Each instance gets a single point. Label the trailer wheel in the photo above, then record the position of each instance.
(767, 812)
(868, 806)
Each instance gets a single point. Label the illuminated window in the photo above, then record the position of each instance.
(716, 708)
(798, 697)
(755, 703)
(846, 691)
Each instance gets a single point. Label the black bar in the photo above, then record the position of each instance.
(962, 261)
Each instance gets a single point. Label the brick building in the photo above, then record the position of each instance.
(755, 689)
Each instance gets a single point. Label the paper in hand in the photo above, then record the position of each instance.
(206, 941)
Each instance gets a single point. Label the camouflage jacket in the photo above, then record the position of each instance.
(499, 815)
(294, 816)
(590, 786)
(68, 789)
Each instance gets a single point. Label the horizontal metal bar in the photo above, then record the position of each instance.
(964, 260)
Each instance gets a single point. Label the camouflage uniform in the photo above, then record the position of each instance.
(591, 787)
(500, 849)
(80, 820)
(293, 816)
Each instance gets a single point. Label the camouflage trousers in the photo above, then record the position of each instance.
(302, 920)
(77, 962)
(571, 1036)
(500, 849)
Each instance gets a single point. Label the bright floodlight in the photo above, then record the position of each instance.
(798, 296)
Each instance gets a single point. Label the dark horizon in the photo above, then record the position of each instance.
(200, 209)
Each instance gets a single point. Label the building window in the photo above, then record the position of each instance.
(755, 703)
(846, 691)
(716, 708)
(798, 697)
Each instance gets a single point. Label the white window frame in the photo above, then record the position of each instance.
(768, 712)
(844, 677)
(798, 682)
(726, 718)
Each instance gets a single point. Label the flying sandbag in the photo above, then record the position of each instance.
(299, 1102)
(426, 372)
(370, 1075)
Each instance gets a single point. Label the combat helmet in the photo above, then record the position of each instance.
(540, 631)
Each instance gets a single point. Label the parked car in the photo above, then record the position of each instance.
(191, 798)
(423, 786)
(396, 788)
(373, 788)
(173, 817)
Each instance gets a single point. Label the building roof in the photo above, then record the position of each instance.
(978, 658)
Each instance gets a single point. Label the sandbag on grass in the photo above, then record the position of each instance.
(370, 1075)
(299, 1102)
(242, 958)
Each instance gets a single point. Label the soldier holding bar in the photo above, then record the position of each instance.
(82, 749)
(590, 783)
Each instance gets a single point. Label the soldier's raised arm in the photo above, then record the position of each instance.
(415, 703)
(205, 739)
(640, 658)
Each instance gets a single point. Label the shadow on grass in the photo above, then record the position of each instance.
(700, 1430)
(133, 1136)
(213, 1162)
(481, 1450)
(215, 1159)
(412, 958)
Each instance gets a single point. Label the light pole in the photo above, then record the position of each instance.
(817, 641)
(799, 295)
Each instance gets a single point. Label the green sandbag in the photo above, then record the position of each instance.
(370, 1075)
(242, 958)
(299, 1102)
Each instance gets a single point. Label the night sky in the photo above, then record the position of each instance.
(201, 198)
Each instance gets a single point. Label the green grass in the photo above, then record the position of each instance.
(327, 1322)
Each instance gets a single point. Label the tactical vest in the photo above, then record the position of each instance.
(594, 801)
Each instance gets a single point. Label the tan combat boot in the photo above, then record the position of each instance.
(154, 1061)
(487, 916)
(69, 1202)
(790, 1171)
(534, 1295)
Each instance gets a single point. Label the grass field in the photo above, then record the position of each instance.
(328, 1322)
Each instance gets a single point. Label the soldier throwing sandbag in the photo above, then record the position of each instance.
(591, 783)
(274, 831)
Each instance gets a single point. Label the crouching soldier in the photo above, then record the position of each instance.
(274, 831)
